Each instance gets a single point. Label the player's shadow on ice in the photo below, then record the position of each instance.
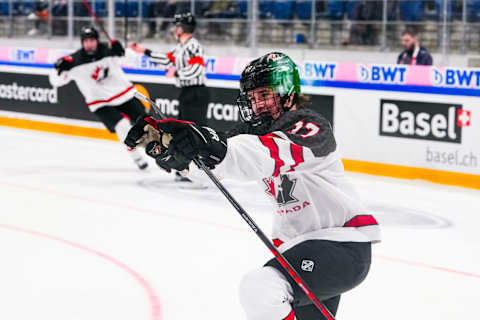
(404, 217)
(211, 195)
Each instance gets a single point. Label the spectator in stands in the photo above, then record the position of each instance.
(363, 33)
(40, 17)
(59, 22)
(220, 9)
(413, 53)
(164, 9)
(21, 8)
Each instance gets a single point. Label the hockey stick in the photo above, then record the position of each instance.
(85, 3)
(280, 258)
(125, 29)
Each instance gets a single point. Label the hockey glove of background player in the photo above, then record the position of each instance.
(189, 140)
(63, 64)
(116, 48)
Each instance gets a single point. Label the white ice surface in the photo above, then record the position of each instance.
(85, 235)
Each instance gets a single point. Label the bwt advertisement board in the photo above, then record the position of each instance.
(391, 127)
(33, 94)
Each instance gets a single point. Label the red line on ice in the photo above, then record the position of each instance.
(428, 266)
(123, 206)
(147, 287)
(224, 226)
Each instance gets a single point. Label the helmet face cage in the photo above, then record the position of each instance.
(259, 103)
(245, 107)
(265, 86)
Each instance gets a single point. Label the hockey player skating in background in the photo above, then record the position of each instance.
(98, 74)
(320, 224)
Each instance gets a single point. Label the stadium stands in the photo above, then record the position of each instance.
(279, 21)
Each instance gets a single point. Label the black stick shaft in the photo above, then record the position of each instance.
(125, 33)
(280, 258)
(99, 23)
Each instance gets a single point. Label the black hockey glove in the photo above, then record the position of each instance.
(117, 48)
(63, 64)
(145, 133)
(164, 160)
(189, 140)
(137, 134)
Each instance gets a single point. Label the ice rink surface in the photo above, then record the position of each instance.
(85, 235)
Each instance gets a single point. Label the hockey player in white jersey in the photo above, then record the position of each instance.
(320, 224)
(96, 70)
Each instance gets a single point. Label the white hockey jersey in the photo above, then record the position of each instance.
(300, 169)
(99, 78)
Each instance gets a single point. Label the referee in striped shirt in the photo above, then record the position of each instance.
(188, 59)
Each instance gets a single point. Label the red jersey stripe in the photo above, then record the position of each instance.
(361, 221)
(297, 155)
(196, 60)
(291, 316)
(277, 242)
(274, 153)
(171, 57)
(112, 98)
(271, 135)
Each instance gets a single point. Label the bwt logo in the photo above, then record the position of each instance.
(382, 74)
(210, 65)
(436, 77)
(24, 55)
(144, 62)
(452, 77)
(422, 120)
(321, 71)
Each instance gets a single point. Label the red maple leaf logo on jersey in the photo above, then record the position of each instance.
(282, 193)
(270, 187)
(100, 73)
(96, 73)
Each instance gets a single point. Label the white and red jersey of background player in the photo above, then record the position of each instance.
(99, 78)
(300, 168)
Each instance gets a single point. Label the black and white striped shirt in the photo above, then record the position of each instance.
(188, 59)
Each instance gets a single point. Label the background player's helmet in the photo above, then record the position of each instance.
(274, 72)
(88, 32)
(40, 5)
(186, 21)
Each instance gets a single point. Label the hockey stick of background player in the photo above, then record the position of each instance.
(99, 23)
(125, 29)
(280, 258)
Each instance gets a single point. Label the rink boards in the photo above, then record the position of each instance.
(400, 126)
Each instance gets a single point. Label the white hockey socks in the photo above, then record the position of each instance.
(265, 294)
(121, 129)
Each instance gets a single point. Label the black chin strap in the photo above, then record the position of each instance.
(285, 99)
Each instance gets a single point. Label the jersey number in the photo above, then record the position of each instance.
(312, 128)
